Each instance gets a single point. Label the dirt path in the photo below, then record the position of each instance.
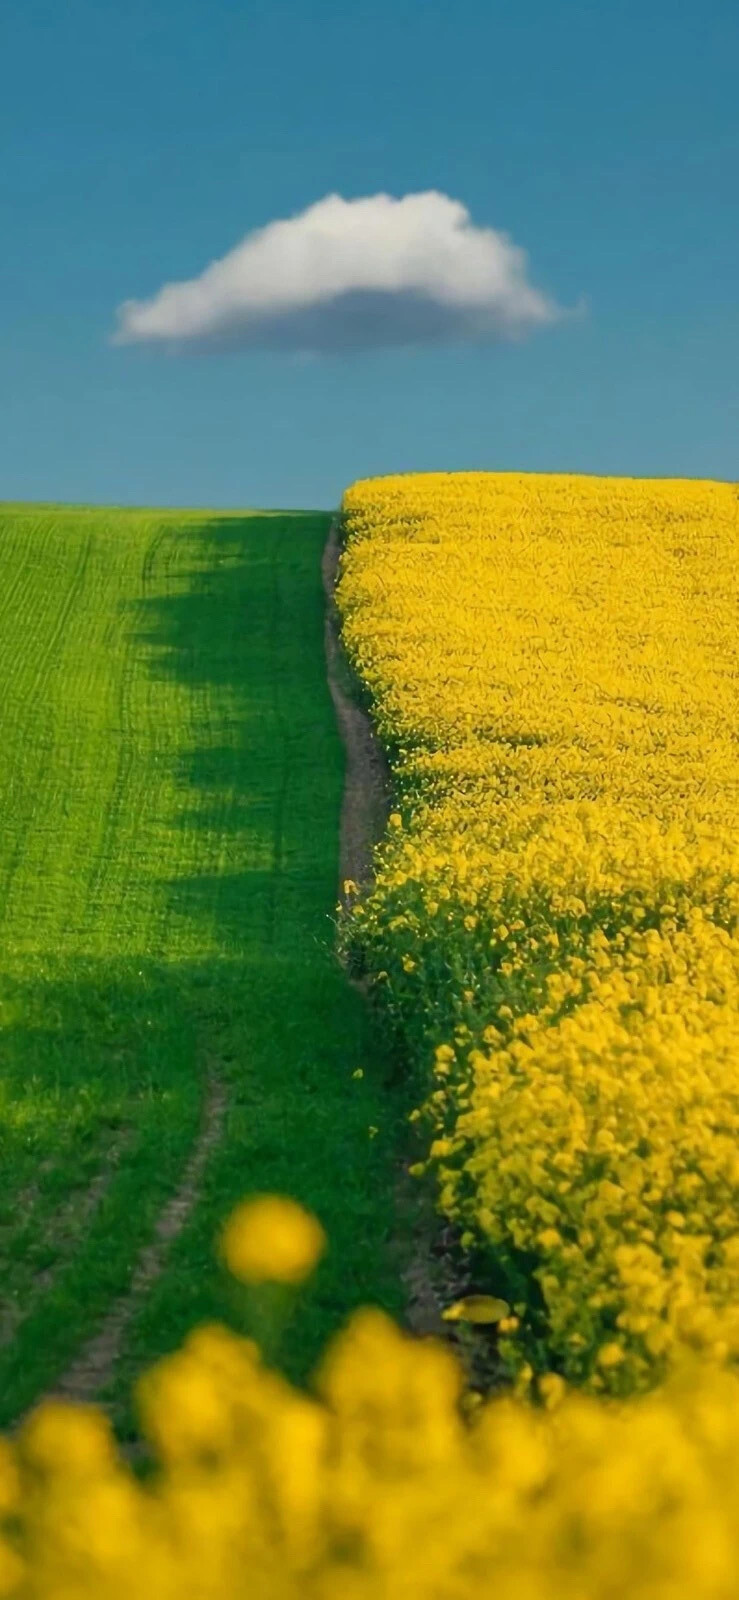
(366, 802)
(92, 1369)
(431, 1263)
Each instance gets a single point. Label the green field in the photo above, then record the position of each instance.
(170, 783)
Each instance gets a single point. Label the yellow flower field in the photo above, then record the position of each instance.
(381, 1481)
(554, 667)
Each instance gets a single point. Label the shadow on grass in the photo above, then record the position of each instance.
(262, 785)
(127, 1042)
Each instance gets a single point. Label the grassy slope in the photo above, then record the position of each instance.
(170, 780)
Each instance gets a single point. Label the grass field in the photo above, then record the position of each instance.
(170, 783)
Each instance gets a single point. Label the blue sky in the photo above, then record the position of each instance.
(143, 138)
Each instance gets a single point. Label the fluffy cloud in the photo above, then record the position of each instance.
(351, 274)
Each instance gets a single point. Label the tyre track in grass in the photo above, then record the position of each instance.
(127, 796)
(431, 1262)
(63, 1227)
(33, 690)
(278, 826)
(22, 579)
(92, 1368)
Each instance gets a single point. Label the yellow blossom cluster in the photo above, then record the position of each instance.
(380, 1482)
(554, 668)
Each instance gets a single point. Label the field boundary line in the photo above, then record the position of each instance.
(365, 804)
(431, 1264)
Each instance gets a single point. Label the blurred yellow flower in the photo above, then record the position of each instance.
(390, 1480)
(272, 1239)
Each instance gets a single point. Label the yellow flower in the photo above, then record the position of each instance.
(272, 1239)
(9, 1480)
(610, 1355)
(482, 1308)
(552, 1389)
(60, 1436)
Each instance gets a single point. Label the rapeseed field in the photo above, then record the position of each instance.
(554, 666)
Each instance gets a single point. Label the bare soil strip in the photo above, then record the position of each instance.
(93, 1367)
(366, 802)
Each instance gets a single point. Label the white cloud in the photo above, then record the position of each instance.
(351, 274)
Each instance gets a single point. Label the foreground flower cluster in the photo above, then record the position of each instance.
(554, 668)
(379, 1484)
